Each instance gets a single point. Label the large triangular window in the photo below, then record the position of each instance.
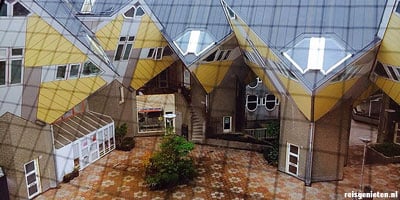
(194, 41)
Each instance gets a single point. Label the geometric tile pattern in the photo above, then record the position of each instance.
(222, 174)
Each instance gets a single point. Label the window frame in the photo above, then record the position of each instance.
(135, 10)
(65, 72)
(8, 58)
(11, 11)
(247, 103)
(89, 75)
(224, 130)
(288, 163)
(124, 42)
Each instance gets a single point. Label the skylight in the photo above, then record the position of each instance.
(194, 41)
(317, 53)
(87, 6)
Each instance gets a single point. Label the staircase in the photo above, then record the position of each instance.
(198, 126)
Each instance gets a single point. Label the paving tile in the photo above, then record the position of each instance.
(222, 174)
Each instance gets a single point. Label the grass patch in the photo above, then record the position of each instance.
(387, 149)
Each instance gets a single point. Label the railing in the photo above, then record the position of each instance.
(259, 133)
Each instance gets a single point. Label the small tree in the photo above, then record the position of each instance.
(171, 165)
(120, 132)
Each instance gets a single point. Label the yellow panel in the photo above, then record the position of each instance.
(389, 52)
(390, 87)
(299, 94)
(108, 36)
(149, 35)
(147, 69)
(58, 97)
(46, 46)
(327, 98)
(210, 75)
(242, 31)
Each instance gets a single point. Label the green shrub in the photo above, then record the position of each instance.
(273, 129)
(271, 154)
(388, 149)
(123, 143)
(171, 165)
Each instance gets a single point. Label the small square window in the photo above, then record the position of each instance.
(17, 52)
(61, 72)
(131, 38)
(20, 10)
(2, 72)
(159, 53)
(122, 39)
(74, 71)
(130, 13)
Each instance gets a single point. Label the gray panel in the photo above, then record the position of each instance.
(30, 93)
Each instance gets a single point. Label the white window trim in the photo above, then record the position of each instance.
(258, 82)
(69, 67)
(247, 103)
(275, 101)
(288, 154)
(8, 58)
(122, 95)
(38, 182)
(396, 132)
(230, 124)
(124, 44)
(135, 16)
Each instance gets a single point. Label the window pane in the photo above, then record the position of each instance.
(294, 149)
(221, 53)
(292, 169)
(167, 51)
(227, 54)
(139, 12)
(380, 70)
(131, 38)
(293, 159)
(252, 98)
(90, 69)
(159, 53)
(122, 39)
(130, 12)
(33, 189)
(127, 51)
(61, 72)
(29, 167)
(3, 10)
(119, 52)
(392, 73)
(31, 178)
(74, 71)
(20, 10)
(2, 72)
(16, 52)
(211, 57)
(16, 71)
(151, 53)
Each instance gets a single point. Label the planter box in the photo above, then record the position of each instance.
(374, 157)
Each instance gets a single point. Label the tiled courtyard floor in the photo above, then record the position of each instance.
(223, 174)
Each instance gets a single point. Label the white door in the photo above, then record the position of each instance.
(32, 177)
(292, 159)
(227, 124)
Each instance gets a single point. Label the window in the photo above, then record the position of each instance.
(136, 12)
(251, 102)
(163, 79)
(3, 9)
(124, 48)
(194, 41)
(292, 159)
(388, 71)
(11, 66)
(32, 178)
(186, 78)
(90, 69)
(74, 71)
(218, 55)
(155, 53)
(397, 133)
(87, 6)
(349, 73)
(20, 10)
(270, 102)
(397, 8)
(255, 83)
(231, 14)
(61, 71)
(227, 124)
(16, 10)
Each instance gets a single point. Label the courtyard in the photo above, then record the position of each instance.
(222, 174)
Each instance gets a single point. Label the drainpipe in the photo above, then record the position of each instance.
(309, 161)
